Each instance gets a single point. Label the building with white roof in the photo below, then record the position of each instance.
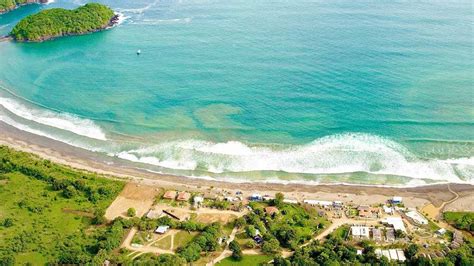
(162, 229)
(387, 209)
(292, 201)
(396, 200)
(391, 254)
(360, 231)
(416, 217)
(322, 203)
(396, 222)
(198, 199)
(256, 197)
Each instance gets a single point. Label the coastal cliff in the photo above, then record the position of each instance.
(9, 5)
(57, 22)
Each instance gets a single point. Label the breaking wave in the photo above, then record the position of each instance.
(63, 121)
(140, 10)
(336, 154)
(162, 21)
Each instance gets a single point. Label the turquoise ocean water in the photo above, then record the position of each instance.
(366, 92)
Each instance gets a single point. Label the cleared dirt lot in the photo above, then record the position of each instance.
(214, 217)
(133, 196)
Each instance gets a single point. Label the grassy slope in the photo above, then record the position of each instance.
(461, 220)
(39, 211)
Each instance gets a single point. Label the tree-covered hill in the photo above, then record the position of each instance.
(56, 22)
(7, 5)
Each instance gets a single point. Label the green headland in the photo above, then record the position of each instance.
(57, 22)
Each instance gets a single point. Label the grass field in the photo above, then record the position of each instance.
(247, 260)
(38, 222)
(164, 243)
(182, 238)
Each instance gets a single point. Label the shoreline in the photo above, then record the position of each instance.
(114, 167)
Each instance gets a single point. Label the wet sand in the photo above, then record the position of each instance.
(117, 168)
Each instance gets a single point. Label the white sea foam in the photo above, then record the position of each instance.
(68, 122)
(139, 10)
(162, 21)
(121, 18)
(345, 153)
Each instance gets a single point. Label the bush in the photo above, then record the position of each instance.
(131, 212)
(236, 250)
(271, 246)
(8, 222)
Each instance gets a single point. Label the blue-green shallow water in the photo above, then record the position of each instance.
(259, 90)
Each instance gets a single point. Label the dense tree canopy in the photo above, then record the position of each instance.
(55, 22)
(6, 5)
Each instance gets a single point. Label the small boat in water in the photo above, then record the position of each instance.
(139, 52)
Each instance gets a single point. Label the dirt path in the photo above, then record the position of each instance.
(172, 241)
(435, 213)
(226, 252)
(128, 239)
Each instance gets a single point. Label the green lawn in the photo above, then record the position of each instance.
(247, 260)
(182, 238)
(164, 243)
(341, 232)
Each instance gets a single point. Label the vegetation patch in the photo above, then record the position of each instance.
(248, 260)
(56, 22)
(7, 5)
(182, 238)
(164, 243)
(460, 220)
(42, 212)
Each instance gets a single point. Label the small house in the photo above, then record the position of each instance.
(360, 232)
(337, 204)
(198, 200)
(291, 201)
(396, 200)
(170, 194)
(154, 214)
(268, 198)
(377, 234)
(183, 196)
(162, 229)
(256, 197)
(387, 210)
(271, 210)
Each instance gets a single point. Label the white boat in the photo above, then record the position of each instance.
(139, 51)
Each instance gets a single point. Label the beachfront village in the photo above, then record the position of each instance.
(225, 227)
(54, 214)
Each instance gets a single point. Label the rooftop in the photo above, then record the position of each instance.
(162, 229)
(396, 222)
(271, 210)
(183, 196)
(170, 194)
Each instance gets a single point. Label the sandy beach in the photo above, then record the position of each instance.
(82, 159)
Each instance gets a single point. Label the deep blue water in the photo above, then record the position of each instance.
(377, 92)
